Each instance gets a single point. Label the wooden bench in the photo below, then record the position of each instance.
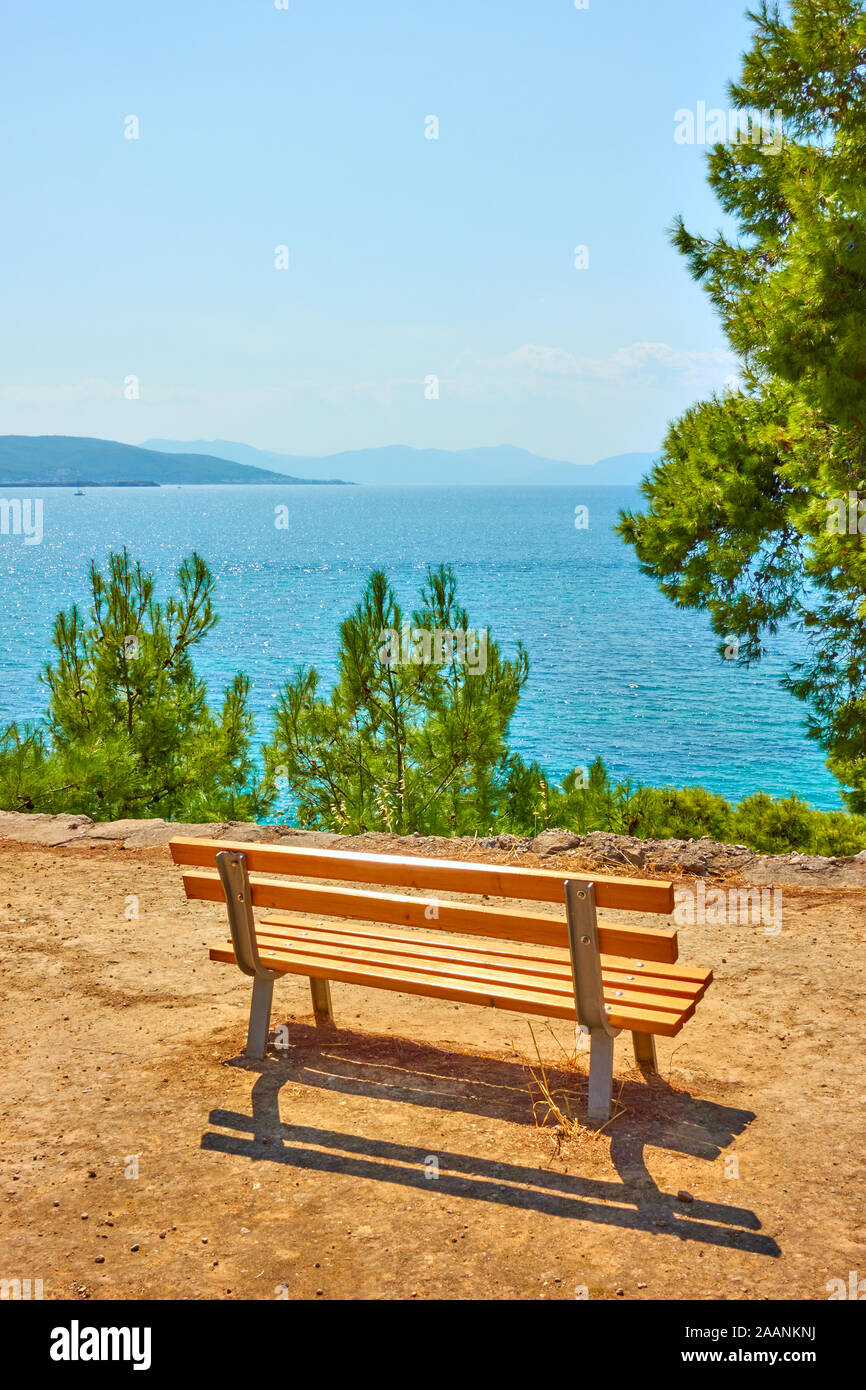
(606, 976)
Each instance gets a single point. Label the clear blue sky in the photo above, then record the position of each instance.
(409, 257)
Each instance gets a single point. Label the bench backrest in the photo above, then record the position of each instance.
(332, 869)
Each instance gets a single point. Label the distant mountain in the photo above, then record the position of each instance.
(61, 460)
(620, 470)
(400, 465)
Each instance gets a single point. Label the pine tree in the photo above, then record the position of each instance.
(754, 509)
(412, 735)
(128, 730)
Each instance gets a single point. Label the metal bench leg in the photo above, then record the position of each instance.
(260, 1015)
(589, 994)
(322, 1011)
(645, 1051)
(232, 866)
(600, 1074)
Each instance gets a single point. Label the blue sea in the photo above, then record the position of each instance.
(615, 669)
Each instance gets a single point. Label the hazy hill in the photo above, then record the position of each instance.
(31, 460)
(403, 466)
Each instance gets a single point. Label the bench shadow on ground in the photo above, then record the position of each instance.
(356, 1064)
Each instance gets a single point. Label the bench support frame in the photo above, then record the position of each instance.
(232, 868)
(589, 994)
(235, 878)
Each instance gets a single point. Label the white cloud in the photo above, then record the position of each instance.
(638, 363)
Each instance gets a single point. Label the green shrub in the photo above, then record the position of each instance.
(777, 827)
(588, 801)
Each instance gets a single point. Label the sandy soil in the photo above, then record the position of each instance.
(140, 1156)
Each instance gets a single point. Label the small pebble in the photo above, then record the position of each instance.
(683, 1196)
(135, 1247)
(100, 1260)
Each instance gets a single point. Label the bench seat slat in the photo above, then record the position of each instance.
(562, 986)
(446, 875)
(552, 955)
(470, 919)
(341, 935)
(495, 994)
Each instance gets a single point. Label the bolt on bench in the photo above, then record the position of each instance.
(606, 976)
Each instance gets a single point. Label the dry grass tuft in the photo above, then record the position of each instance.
(554, 1106)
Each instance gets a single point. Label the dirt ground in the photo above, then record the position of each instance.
(400, 1158)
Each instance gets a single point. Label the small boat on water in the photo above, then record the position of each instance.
(79, 493)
